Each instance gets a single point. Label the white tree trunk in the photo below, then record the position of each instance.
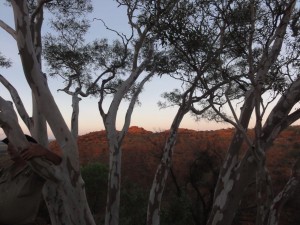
(239, 175)
(114, 179)
(70, 186)
(235, 175)
(39, 128)
(115, 139)
(75, 115)
(161, 175)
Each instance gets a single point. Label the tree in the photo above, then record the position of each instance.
(266, 64)
(247, 58)
(221, 51)
(121, 77)
(64, 191)
(195, 38)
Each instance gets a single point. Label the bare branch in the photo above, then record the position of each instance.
(132, 104)
(121, 35)
(8, 29)
(18, 102)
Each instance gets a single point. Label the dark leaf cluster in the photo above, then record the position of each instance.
(4, 62)
(110, 56)
(69, 7)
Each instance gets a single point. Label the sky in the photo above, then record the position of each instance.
(147, 115)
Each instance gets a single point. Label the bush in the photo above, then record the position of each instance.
(134, 201)
(95, 178)
(178, 211)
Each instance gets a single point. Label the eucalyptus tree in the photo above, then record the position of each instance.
(119, 70)
(64, 190)
(70, 58)
(195, 35)
(270, 52)
(257, 64)
(97, 69)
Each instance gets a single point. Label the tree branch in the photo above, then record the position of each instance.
(9, 123)
(131, 106)
(8, 29)
(18, 102)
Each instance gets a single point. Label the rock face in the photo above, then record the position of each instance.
(197, 155)
(142, 149)
(138, 130)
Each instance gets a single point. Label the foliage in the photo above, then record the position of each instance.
(66, 54)
(67, 8)
(4, 62)
(212, 40)
(178, 211)
(219, 50)
(60, 7)
(95, 68)
(95, 178)
(133, 204)
(133, 198)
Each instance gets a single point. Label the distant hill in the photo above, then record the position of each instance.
(198, 156)
(142, 150)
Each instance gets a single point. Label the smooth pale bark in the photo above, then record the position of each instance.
(52, 199)
(264, 193)
(162, 171)
(239, 175)
(115, 140)
(70, 189)
(75, 115)
(39, 129)
(234, 176)
(114, 180)
(18, 103)
(161, 175)
(37, 123)
(9, 123)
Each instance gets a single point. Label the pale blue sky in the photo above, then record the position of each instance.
(148, 115)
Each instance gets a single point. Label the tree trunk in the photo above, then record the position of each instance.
(288, 191)
(114, 180)
(235, 175)
(161, 175)
(39, 128)
(115, 139)
(69, 185)
(240, 174)
(75, 115)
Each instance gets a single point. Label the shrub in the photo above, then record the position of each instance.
(178, 211)
(134, 201)
(95, 178)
